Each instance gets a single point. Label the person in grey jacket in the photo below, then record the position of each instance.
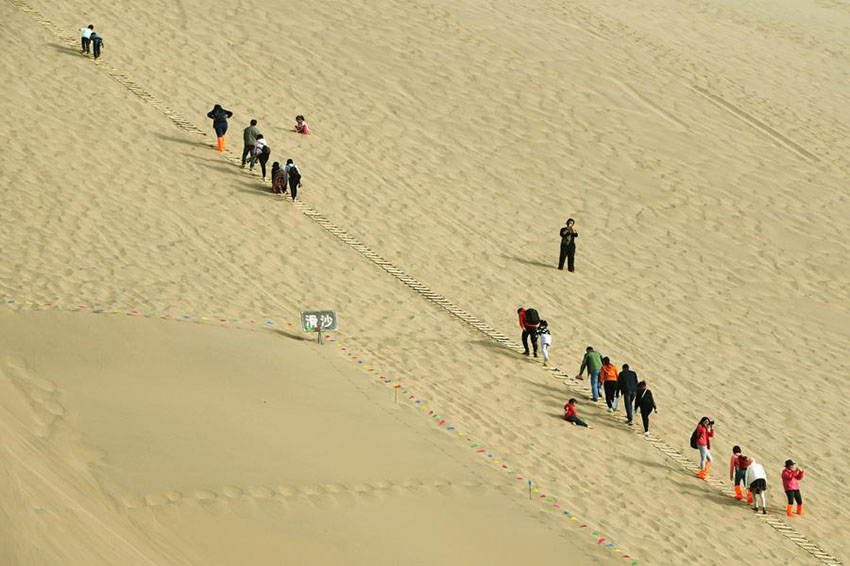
(249, 136)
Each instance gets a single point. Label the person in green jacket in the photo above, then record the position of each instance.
(592, 360)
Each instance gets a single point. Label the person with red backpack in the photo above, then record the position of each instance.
(738, 473)
(701, 440)
(529, 321)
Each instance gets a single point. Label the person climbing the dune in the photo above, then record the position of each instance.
(293, 175)
(627, 382)
(568, 246)
(738, 473)
(279, 179)
(219, 117)
(608, 378)
(757, 482)
(85, 38)
(592, 360)
(262, 151)
(249, 139)
(529, 321)
(645, 403)
(96, 45)
(545, 341)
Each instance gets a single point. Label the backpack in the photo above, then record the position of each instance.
(694, 437)
(295, 174)
(532, 318)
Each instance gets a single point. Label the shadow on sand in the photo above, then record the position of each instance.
(531, 262)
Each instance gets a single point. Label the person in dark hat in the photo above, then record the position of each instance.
(568, 246)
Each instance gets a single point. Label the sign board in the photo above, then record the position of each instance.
(313, 321)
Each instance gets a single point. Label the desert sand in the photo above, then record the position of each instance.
(701, 147)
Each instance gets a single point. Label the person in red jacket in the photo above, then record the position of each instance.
(791, 477)
(705, 432)
(529, 321)
(738, 473)
(570, 414)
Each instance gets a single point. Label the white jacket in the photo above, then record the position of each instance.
(755, 471)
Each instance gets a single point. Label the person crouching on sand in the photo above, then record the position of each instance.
(278, 179)
(262, 151)
(757, 482)
(545, 340)
(791, 477)
(738, 473)
(85, 38)
(96, 44)
(571, 416)
(301, 125)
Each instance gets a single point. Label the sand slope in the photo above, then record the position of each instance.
(147, 442)
(703, 165)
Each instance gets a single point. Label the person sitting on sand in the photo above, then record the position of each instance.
(301, 125)
(219, 117)
(757, 481)
(570, 414)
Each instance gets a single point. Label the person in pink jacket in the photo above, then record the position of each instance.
(791, 477)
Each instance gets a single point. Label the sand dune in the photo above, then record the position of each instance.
(698, 145)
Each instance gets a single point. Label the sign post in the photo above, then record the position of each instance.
(319, 322)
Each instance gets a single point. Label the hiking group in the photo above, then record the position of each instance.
(606, 381)
(90, 42)
(256, 149)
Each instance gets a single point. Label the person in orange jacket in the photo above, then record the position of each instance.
(738, 473)
(791, 477)
(608, 378)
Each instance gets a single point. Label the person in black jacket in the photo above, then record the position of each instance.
(96, 44)
(568, 246)
(219, 117)
(645, 404)
(628, 382)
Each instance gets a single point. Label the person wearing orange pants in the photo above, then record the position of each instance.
(219, 117)
(791, 477)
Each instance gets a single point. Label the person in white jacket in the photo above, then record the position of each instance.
(85, 38)
(757, 480)
(545, 340)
